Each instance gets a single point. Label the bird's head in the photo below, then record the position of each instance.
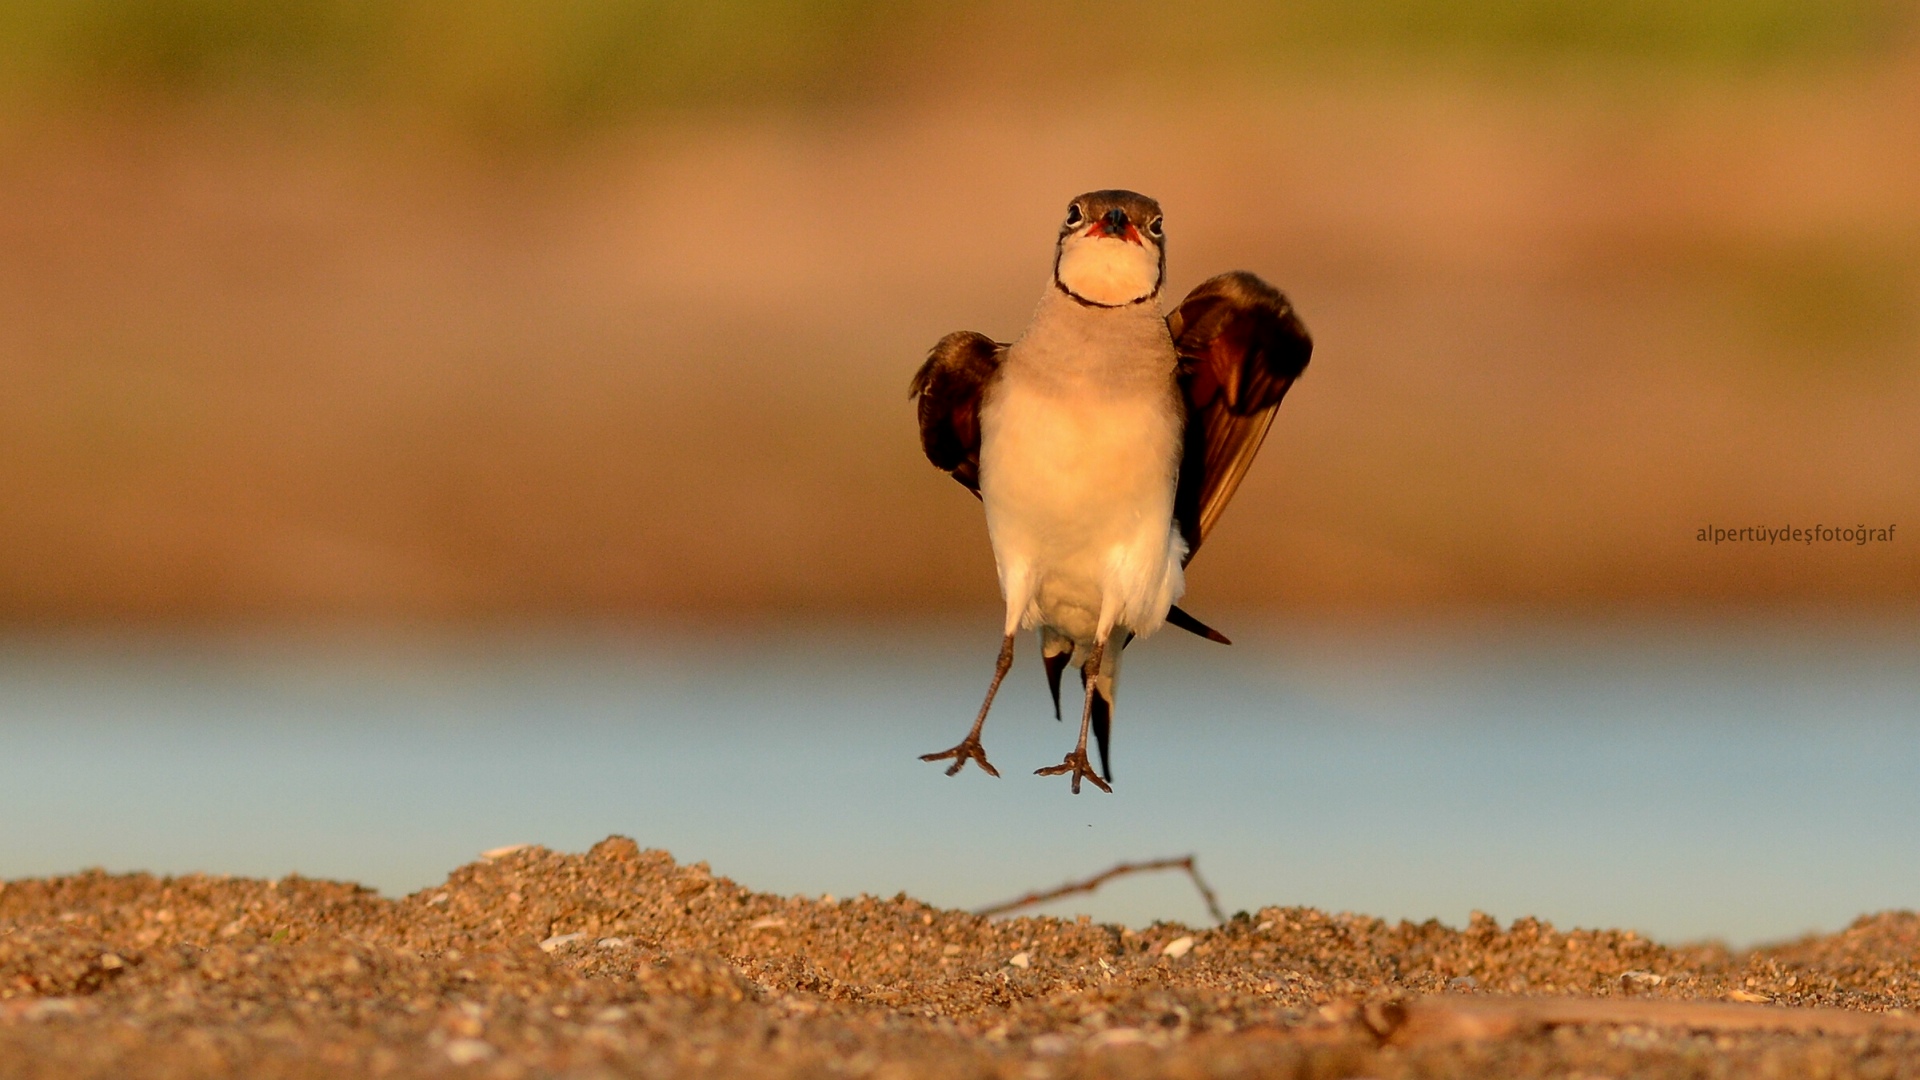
(1111, 250)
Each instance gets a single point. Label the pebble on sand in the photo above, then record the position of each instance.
(468, 1051)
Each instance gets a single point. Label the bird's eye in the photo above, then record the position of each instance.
(1153, 227)
(1074, 217)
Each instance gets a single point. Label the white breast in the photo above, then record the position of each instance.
(1078, 463)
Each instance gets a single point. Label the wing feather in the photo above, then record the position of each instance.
(949, 387)
(1241, 346)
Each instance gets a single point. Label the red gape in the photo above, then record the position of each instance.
(1132, 235)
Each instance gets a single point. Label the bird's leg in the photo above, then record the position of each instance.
(1076, 763)
(970, 748)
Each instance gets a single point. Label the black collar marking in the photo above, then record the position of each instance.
(1084, 302)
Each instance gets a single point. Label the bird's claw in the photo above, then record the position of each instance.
(968, 750)
(1076, 765)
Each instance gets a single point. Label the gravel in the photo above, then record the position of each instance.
(622, 962)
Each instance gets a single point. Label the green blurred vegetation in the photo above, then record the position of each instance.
(1685, 33)
(500, 63)
(543, 63)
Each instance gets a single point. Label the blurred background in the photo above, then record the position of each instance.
(424, 310)
(426, 323)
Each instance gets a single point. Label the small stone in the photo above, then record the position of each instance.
(557, 940)
(1120, 1036)
(502, 852)
(468, 1051)
(1021, 960)
(1050, 1045)
(613, 943)
(617, 849)
(1178, 947)
(771, 922)
(950, 950)
(1748, 996)
(50, 1007)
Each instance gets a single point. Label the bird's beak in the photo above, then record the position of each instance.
(1114, 223)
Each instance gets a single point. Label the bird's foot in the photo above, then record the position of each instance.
(1077, 766)
(968, 750)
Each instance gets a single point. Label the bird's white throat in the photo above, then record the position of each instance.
(1106, 270)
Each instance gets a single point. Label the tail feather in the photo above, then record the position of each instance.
(1056, 652)
(1056, 664)
(1191, 625)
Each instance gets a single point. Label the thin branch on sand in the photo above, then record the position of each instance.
(1184, 862)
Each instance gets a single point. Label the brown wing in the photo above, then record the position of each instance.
(1240, 347)
(948, 387)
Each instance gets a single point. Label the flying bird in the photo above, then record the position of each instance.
(1103, 444)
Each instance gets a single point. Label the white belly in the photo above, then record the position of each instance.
(1078, 491)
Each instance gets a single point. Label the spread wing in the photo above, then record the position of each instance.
(949, 386)
(1240, 347)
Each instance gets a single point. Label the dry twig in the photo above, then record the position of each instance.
(1184, 862)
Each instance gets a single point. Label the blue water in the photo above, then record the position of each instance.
(1739, 779)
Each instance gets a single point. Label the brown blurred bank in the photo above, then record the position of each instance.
(611, 312)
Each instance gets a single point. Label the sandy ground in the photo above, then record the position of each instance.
(622, 962)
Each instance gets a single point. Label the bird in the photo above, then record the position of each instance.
(1103, 444)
